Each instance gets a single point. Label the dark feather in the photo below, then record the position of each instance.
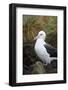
(51, 50)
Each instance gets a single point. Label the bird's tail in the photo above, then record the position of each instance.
(53, 58)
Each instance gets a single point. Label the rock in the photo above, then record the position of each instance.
(54, 63)
(52, 68)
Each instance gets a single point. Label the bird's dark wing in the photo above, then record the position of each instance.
(51, 50)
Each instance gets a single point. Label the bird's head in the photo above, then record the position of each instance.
(41, 35)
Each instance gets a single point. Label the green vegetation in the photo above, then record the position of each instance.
(33, 24)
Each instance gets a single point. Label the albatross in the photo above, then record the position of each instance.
(44, 51)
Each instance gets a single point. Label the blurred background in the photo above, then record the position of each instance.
(32, 24)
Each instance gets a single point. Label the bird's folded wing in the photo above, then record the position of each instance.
(51, 50)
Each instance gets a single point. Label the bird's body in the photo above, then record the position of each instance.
(40, 49)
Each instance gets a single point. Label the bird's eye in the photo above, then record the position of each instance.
(41, 34)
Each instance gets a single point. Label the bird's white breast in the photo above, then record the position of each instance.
(41, 50)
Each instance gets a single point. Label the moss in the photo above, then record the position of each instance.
(38, 68)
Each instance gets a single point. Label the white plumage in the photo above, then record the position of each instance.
(40, 49)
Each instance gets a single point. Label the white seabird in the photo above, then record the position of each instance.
(40, 49)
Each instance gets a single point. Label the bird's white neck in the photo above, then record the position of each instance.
(40, 41)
